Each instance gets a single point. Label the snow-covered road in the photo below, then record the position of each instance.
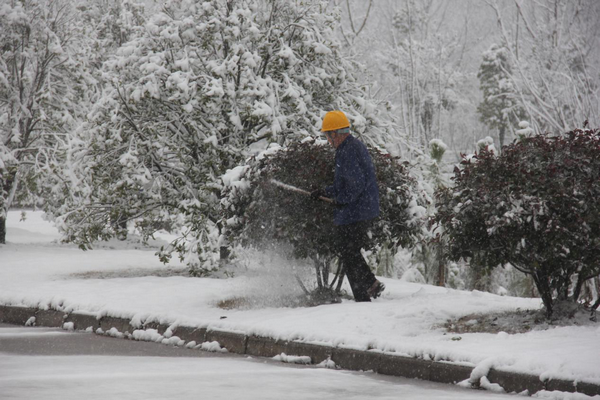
(26, 375)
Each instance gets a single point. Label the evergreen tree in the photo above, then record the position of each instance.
(499, 108)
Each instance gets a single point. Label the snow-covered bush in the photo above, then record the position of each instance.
(524, 131)
(437, 148)
(260, 213)
(187, 98)
(426, 262)
(535, 207)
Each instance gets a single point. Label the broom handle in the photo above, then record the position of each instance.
(298, 190)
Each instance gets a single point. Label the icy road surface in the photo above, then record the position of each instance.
(31, 368)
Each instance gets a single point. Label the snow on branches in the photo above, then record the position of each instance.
(202, 86)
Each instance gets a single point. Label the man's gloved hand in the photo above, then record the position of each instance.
(315, 194)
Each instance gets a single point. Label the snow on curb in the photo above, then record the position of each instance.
(292, 359)
(69, 326)
(483, 376)
(327, 364)
(214, 347)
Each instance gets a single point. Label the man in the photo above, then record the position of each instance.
(356, 197)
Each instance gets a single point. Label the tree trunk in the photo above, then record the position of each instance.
(2, 230)
(562, 287)
(10, 186)
(224, 250)
(121, 228)
(441, 267)
(325, 273)
(501, 136)
(480, 279)
(342, 274)
(580, 288)
(318, 272)
(543, 286)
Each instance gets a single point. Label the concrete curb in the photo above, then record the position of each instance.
(345, 358)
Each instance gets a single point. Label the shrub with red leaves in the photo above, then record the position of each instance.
(536, 206)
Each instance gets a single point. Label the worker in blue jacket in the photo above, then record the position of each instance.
(356, 196)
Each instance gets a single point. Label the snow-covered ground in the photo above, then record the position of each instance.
(120, 280)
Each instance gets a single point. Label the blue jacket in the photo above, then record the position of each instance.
(354, 187)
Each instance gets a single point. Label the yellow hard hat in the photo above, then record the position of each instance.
(334, 120)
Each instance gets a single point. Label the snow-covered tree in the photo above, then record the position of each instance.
(499, 108)
(422, 62)
(202, 86)
(109, 24)
(353, 25)
(43, 84)
(535, 207)
(552, 48)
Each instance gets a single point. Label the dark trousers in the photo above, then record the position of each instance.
(351, 239)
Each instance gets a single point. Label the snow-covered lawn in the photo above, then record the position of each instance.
(119, 280)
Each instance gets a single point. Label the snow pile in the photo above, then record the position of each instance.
(148, 335)
(215, 347)
(292, 359)
(327, 364)
(556, 395)
(173, 341)
(152, 335)
(69, 326)
(479, 373)
(492, 387)
(114, 332)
